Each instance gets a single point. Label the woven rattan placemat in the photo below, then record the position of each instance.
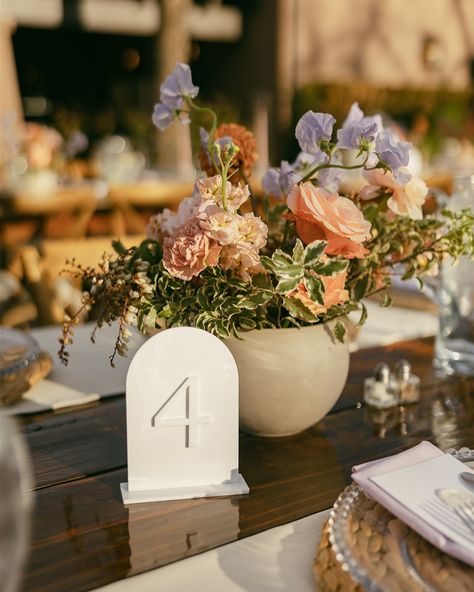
(375, 536)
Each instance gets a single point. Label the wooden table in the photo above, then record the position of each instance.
(78, 201)
(84, 537)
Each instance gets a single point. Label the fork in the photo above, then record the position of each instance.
(462, 503)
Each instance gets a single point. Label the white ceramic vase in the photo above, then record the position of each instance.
(289, 378)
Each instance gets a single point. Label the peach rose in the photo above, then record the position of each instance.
(189, 251)
(334, 293)
(319, 214)
(406, 200)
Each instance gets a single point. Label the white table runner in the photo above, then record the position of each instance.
(277, 560)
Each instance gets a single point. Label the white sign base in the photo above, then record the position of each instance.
(237, 487)
(182, 419)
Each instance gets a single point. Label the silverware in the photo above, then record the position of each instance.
(461, 502)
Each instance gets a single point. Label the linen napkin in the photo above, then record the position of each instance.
(47, 395)
(425, 451)
(89, 370)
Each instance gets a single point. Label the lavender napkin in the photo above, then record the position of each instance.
(422, 452)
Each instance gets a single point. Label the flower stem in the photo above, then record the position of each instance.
(207, 110)
(225, 170)
(333, 166)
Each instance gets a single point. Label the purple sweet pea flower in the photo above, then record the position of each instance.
(357, 127)
(224, 142)
(279, 181)
(177, 86)
(163, 116)
(173, 92)
(312, 129)
(394, 153)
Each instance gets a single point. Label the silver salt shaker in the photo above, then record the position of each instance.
(408, 383)
(381, 390)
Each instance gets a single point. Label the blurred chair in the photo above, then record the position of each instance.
(53, 292)
(16, 306)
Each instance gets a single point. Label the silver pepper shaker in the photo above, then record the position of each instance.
(408, 383)
(381, 390)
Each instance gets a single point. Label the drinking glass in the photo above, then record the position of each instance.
(455, 297)
(15, 501)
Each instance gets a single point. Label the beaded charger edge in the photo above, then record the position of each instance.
(364, 547)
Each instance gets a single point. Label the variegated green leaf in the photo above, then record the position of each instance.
(314, 251)
(315, 288)
(297, 309)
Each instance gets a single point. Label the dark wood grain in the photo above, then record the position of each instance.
(84, 537)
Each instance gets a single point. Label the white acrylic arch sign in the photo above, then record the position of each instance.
(182, 419)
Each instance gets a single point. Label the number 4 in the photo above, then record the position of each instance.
(188, 388)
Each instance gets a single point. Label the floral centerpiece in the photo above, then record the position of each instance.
(33, 156)
(305, 254)
(28, 157)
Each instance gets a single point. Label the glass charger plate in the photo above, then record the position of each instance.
(22, 363)
(380, 553)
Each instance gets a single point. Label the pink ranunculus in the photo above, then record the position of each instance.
(319, 214)
(406, 200)
(189, 251)
(334, 293)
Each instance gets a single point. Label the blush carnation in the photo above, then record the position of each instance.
(189, 251)
(243, 261)
(167, 223)
(319, 214)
